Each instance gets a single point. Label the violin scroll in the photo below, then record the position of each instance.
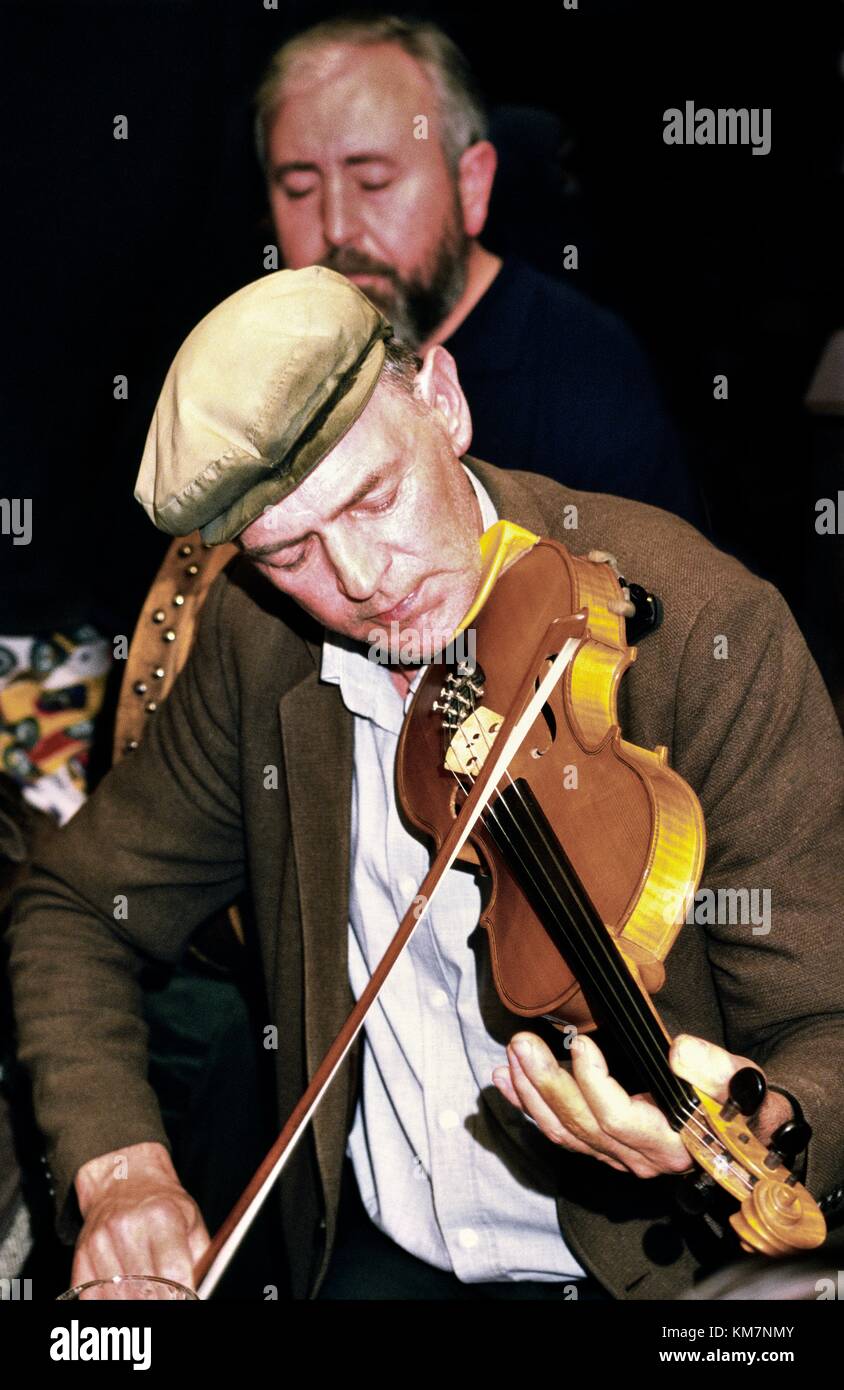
(777, 1215)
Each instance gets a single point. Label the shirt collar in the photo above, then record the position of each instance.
(365, 686)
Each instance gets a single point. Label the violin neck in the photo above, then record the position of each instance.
(616, 1000)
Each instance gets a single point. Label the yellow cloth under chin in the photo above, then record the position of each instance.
(500, 545)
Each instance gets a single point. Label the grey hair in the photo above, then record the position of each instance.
(398, 373)
(461, 107)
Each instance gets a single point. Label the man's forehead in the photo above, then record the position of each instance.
(378, 89)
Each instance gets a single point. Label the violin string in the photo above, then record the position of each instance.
(688, 1117)
(662, 1081)
(612, 972)
(685, 1113)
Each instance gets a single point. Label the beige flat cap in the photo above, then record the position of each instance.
(258, 393)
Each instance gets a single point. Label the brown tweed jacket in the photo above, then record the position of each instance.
(192, 818)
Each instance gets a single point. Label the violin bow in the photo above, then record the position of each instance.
(212, 1264)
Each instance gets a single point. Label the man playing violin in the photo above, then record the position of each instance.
(488, 1160)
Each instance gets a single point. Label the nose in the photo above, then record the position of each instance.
(359, 565)
(340, 221)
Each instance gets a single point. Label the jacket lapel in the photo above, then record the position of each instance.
(318, 740)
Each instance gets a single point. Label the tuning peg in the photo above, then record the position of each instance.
(787, 1142)
(695, 1193)
(748, 1089)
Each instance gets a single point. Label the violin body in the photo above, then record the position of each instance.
(632, 828)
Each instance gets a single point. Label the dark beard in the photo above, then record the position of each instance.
(415, 307)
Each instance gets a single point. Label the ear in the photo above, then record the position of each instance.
(475, 176)
(437, 385)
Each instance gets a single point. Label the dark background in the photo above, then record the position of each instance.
(720, 260)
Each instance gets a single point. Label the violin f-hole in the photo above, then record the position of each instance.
(546, 712)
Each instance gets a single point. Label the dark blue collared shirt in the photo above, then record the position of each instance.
(557, 385)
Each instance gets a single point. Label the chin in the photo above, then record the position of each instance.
(386, 302)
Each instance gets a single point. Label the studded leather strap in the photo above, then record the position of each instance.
(164, 633)
(158, 651)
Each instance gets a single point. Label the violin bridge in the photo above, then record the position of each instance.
(472, 740)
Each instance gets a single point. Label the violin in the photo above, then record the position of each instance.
(513, 760)
(594, 848)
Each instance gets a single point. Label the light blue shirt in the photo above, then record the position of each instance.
(446, 1167)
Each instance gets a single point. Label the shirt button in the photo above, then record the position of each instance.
(439, 999)
(449, 1119)
(468, 1238)
(408, 887)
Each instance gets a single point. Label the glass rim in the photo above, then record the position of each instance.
(118, 1279)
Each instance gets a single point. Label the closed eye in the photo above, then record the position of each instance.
(290, 565)
(297, 183)
(382, 506)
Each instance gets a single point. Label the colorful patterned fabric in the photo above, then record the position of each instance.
(51, 688)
